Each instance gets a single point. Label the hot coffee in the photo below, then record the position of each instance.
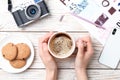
(61, 44)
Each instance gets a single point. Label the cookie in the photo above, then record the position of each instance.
(9, 51)
(23, 51)
(18, 63)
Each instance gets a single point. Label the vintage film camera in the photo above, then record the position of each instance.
(29, 13)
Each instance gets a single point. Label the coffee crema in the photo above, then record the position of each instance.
(61, 44)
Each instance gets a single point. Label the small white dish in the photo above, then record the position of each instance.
(4, 64)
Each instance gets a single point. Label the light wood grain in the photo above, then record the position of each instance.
(65, 74)
(34, 31)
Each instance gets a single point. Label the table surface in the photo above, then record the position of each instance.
(53, 22)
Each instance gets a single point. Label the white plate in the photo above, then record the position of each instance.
(4, 64)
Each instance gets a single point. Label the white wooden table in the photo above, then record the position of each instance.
(34, 31)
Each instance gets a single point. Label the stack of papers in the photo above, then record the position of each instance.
(99, 17)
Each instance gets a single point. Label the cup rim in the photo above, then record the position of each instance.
(69, 53)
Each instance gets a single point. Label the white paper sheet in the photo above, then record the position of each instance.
(96, 18)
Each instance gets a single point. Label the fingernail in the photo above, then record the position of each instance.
(80, 43)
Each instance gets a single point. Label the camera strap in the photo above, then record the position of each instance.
(10, 5)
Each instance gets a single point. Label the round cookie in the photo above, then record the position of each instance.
(23, 51)
(9, 51)
(18, 63)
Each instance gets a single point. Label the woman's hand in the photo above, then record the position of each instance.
(84, 54)
(48, 60)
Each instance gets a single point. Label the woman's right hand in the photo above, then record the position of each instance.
(84, 54)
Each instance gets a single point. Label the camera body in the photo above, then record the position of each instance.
(30, 13)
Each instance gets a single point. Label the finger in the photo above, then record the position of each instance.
(89, 50)
(80, 48)
(89, 47)
(86, 38)
(88, 42)
(45, 37)
(45, 50)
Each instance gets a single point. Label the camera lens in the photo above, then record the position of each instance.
(33, 11)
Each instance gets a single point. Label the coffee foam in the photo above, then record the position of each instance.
(61, 44)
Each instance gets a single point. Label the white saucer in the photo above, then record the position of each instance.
(4, 64)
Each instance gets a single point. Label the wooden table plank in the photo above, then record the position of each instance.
(64, 74)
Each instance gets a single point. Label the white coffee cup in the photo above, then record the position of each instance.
(66, 49)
